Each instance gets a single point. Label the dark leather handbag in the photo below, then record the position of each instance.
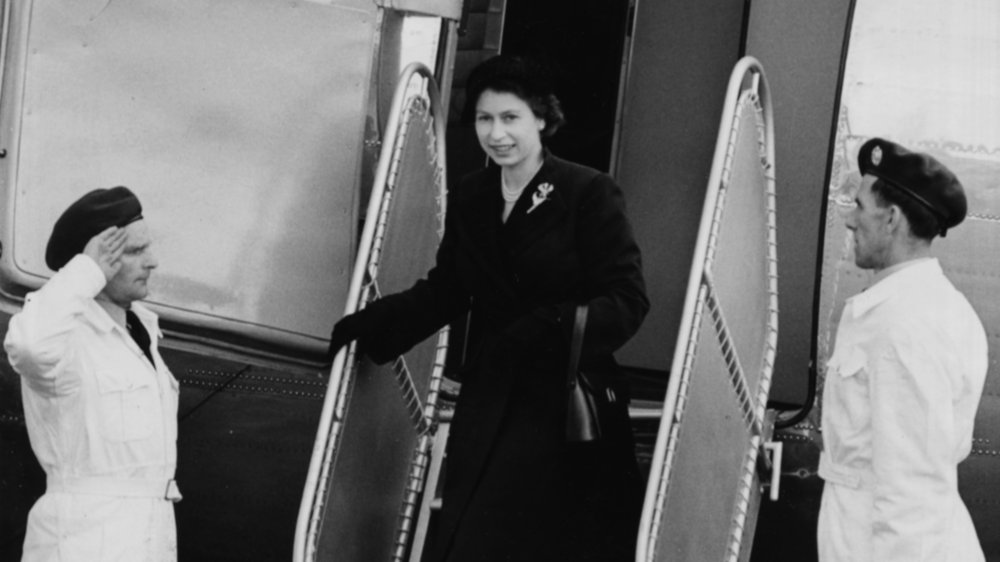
(582, 421)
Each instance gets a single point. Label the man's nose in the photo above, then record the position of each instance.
(852, 222)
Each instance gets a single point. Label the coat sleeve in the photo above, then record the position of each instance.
(39, 336)
(397, 322)
(613, 284)
(912, 455)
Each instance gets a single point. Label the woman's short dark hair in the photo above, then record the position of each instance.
(525, 78)
(924, 224)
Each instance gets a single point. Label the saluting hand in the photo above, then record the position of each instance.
(106, 249)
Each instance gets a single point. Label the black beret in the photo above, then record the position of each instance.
(87, 217)
(918, 176)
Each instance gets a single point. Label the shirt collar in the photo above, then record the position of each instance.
(893, 269)
(102, 320)
(892, 280)
(99, 317)
(148, 319)
(143, 313)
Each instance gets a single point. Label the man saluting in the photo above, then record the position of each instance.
(904, 381)
(99, 403)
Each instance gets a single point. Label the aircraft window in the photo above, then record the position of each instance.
(925, 77)
(238, 129)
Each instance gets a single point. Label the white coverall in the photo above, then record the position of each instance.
(901, 393)
(102, 421)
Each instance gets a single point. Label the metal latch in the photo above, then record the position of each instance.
(772, 451)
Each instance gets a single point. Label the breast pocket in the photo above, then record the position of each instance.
(847, 386)
(847, 363)
(128, 405)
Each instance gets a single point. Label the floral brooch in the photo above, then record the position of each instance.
(541, 196)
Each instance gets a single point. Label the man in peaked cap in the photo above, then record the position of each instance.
(904, 381)
(99, 403)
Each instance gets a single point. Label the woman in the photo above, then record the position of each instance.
(525, 242)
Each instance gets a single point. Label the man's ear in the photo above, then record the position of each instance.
(896, 219)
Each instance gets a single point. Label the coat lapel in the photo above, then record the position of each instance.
(540, 207)
(480, 222)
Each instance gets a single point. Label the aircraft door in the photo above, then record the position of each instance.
(704, 489)
(373, 444)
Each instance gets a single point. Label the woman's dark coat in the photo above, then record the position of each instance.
(514, 488)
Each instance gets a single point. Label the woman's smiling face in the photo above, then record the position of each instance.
(508, 131)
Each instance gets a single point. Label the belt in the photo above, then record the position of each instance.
(117, 487)
(845, 476)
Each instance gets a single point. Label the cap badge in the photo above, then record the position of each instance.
(876, 156)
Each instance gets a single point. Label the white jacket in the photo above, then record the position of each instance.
(102, 421)
(901, 393)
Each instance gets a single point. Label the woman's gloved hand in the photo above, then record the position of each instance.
(349, 328)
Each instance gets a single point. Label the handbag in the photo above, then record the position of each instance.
(582, 421)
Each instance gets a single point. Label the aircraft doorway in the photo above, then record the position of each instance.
(583, 41)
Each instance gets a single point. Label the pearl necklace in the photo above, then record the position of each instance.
(511, 195)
